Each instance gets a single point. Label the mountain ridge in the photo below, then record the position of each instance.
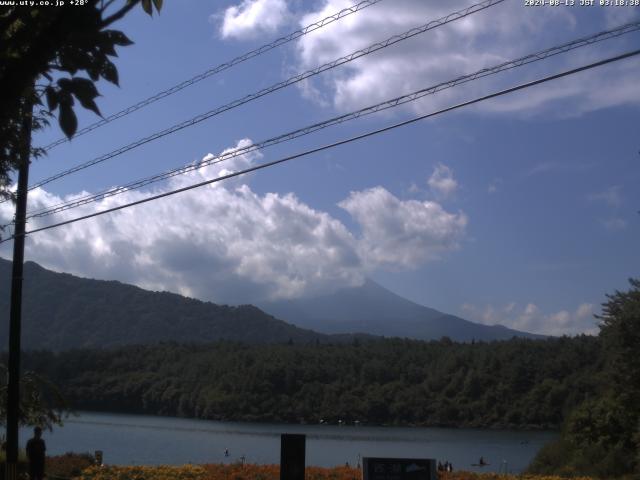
(373, 309)
(62, 311)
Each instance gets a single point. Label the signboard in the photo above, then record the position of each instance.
(374, 468)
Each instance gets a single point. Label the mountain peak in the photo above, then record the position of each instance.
(373, 309)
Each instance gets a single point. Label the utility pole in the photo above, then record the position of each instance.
(13, 384)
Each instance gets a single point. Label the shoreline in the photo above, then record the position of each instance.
(493, 427)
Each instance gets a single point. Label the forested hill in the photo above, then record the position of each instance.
(517, 383)
(61, 311)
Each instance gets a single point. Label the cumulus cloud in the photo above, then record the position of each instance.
(442, 182)
(464, 46)
(400, 233)
(530, 318)
(252, 18)
(228, 244)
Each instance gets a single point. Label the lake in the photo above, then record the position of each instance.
(150, 440)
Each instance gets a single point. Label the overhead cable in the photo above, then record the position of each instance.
(341, 142)
(220, 68)
(278, 86)
(394, 102)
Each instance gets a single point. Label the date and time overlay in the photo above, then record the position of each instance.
(526, 3)
(581, 3)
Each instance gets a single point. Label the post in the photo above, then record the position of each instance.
(15, 318)
(292, 456)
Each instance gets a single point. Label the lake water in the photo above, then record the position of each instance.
(149, 440)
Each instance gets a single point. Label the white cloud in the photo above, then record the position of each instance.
(614, 223)
(400, 233)
(618, 16)
(531, 319)
(481, 40)
(543, 167)
(494, 185)
(252, 17)
(441, 181)
(226, 243)
(556, 167)
(585, 310)
(611, 196)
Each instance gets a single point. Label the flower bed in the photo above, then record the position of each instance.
(211, 472)
(462, 475)
(163, 472)
(68, 465)
(272, 472)
(247, 472)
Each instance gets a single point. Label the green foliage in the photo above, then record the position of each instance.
(41, 403)
(380, 382)
(601, 437)
(564, 458)
(22, 466)
(620, 332)
(603, 423)
(54, 45)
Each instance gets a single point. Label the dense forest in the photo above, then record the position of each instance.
(519, 383)
(601, 436)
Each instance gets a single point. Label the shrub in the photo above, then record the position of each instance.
(68, 465)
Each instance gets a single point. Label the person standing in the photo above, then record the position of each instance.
(36, 449)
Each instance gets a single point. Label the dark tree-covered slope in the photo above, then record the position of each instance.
(61, 311)
(516, 383)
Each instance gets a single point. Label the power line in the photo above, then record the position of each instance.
(220, 68)
(290, 81)
(525, 60)
(341, 142)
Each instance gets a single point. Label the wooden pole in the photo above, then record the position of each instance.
(15, 318)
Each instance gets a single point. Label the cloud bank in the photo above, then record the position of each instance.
(422, 230)
(226, 243)
(530, 319)
(483, 39)
(480, 40)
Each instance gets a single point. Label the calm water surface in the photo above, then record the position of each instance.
(149, 440)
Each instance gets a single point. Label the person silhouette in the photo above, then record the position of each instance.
(36, 449)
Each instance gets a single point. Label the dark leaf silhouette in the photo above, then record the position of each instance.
(67, 119)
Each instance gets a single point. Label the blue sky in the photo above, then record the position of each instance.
(521, 211)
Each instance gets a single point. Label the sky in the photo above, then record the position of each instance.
(520, 211)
